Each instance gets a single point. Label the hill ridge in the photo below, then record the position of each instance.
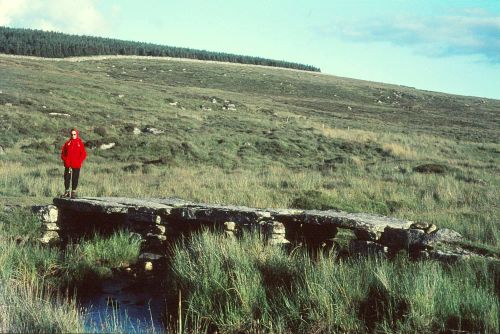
(34, 42)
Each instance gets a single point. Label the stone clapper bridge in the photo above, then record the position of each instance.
(159, 221)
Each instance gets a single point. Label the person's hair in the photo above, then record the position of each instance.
(73, 129)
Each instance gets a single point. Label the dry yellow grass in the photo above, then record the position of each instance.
(399, 151)
(360, 136)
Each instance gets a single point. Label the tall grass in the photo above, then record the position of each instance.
(244, 285)
(86, 262)
(27, 304)
(27, 307)
(33, 278)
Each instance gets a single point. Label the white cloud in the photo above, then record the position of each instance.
(10, 9)
(472, 31)
(76, 17)
(115, 10)
(46, 25)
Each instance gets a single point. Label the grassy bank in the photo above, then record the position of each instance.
(244, 286)
(36, 282)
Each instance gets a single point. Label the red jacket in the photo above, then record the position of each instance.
(73, 152)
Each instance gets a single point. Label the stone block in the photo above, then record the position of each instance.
(367, 235)
(229, 226)
(50, 227)
(268, 228)
(363, 247)
(443, 235)
(152, 236)
(426, 227)
(450, 256)
(150, 257)
(354, 221)
(46, 213)
(272, 227)
(148, 266)
(277, 228)
(92, 204)
(396, 238)
(274, 232)
(49, 238)
(144, 217)
(160, 229)
(220, 214)
(277, 239)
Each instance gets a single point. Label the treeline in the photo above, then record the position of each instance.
(29, 42)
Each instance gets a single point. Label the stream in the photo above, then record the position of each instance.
(122, 304)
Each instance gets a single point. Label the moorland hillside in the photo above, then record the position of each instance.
(251, 135)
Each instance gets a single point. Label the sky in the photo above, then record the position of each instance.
(450, 46)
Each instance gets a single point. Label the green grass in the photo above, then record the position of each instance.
(296, 139)
(88, 261)
(26, 307)
(243, 285)
(291, 136)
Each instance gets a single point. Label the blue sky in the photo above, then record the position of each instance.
(447, 46)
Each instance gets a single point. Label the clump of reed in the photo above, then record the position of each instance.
(244, 285)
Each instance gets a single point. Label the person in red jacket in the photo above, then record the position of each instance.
(73, 153)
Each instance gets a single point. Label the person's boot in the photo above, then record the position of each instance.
(66, 194)
(73, 194)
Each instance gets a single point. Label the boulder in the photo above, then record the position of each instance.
(107, 146)
(443, 235)
(153, 131)
(59, 114)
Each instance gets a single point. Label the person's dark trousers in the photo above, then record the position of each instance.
(71, 176)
